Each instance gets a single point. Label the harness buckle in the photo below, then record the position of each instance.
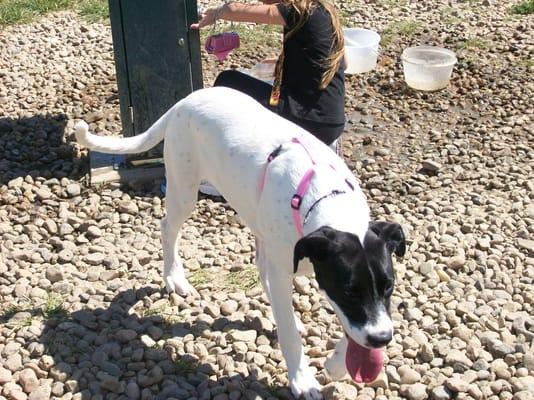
(296, 201)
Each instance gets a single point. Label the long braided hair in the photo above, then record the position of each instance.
(304, 8)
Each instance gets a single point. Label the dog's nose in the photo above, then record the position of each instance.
(379, 339)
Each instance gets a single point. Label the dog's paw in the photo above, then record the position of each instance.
(304, 385)
(178, 283)
(335, 366)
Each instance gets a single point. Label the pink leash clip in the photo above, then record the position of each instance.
(222, 44)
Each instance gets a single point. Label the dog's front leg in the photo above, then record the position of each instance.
(335, 364)
(301, 377)
(262, 263)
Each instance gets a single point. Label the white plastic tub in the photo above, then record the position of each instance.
(264, 70)
(361, 50)
(427, 67)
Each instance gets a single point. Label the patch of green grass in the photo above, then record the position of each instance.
(344, 16)
(244, 280)
(155, 311)
(449, 16)
(185, 367)
(24, 11)
(266, 35)
(251, 36)
(94, 10)
(167, 316)
(54, 309)
(157, 346)
(8, 313)
(401, 28)
(200, 277)
(10, 310)
(408, 28)
(26, 321)
(472, 44)
(391, 3)
(525, 7)
(171, 319)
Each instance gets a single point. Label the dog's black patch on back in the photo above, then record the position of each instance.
(358, 278)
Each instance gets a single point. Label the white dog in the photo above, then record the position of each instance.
(303, 205)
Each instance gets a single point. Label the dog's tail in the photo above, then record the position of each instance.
(128, 145)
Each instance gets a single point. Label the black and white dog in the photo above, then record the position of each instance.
(304, 206)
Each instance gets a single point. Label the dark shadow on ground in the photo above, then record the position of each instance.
(100, 352)
(36, 146)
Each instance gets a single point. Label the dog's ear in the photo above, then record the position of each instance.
(315, 245)
(392, 234)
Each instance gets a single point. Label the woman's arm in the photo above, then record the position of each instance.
(239, 12)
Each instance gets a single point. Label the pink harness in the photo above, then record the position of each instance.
(303, 185)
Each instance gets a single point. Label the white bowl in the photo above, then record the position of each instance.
(361, 50)
(264, 70)
(427, 67)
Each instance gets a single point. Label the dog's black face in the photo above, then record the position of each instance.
(358, 280)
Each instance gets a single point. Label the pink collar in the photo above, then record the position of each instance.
(296, 200)
(304, 183)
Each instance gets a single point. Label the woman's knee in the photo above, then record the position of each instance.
(229, 78)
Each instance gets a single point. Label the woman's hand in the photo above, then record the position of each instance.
(210, 16)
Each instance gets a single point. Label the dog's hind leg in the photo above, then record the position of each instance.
(301, 377)
(180, 201)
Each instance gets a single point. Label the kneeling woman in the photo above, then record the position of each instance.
(309, 84)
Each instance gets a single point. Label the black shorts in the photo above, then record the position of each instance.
(261, 91)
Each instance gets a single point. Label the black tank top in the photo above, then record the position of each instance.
(305, 53)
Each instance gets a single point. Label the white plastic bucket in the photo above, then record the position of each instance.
(361, 50)
(427, 67)
(264, 70)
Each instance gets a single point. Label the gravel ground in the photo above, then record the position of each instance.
(82, 313)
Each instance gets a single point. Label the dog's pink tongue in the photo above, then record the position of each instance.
(363, 364)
